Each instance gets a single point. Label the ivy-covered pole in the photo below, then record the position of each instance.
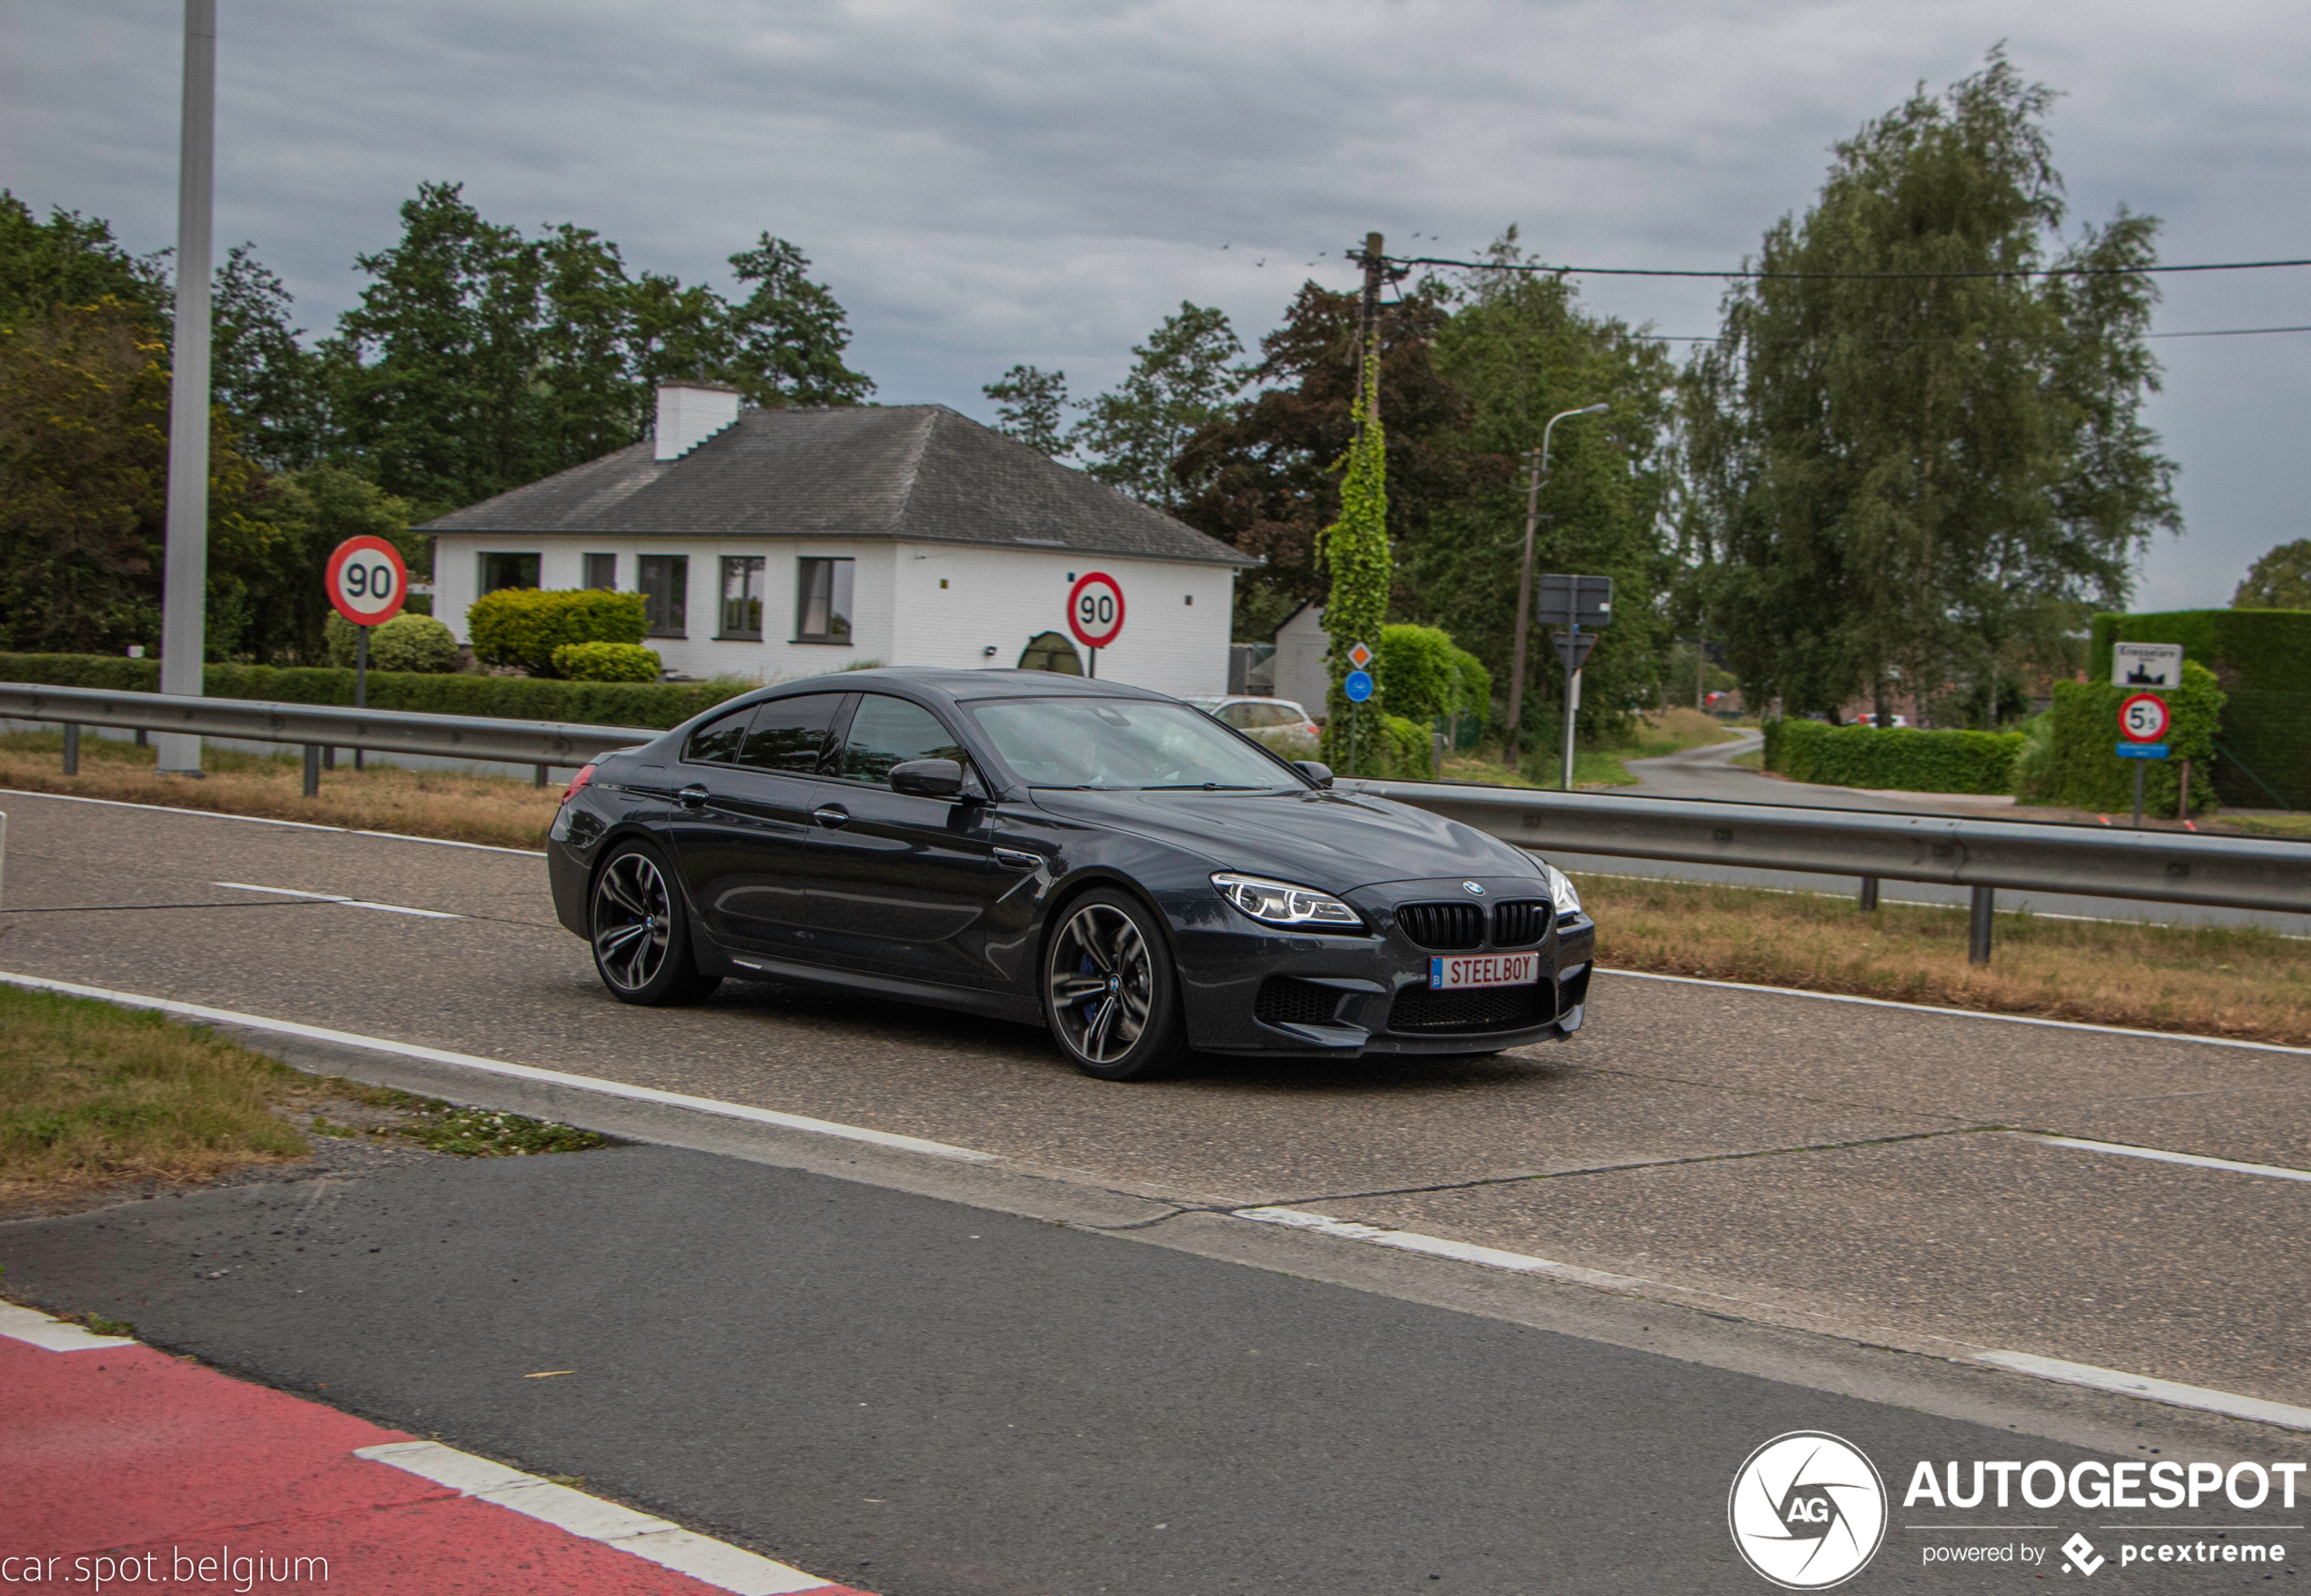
(1354, 549)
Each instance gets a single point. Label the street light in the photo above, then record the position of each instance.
(1539, 458)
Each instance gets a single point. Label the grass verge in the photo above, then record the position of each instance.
(2212, 981)
(1654, 736)
(461, 806)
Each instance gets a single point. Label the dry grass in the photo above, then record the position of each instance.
(91, 1095)
(466, 808)
(2212, 981)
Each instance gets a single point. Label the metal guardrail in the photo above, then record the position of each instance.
(1985, 855)
(318, 726)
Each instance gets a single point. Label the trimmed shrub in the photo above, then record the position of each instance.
(524, 626)
(406, 643)
(1899, 758)
(659, 705)
(2087, 774)
(607, 661)
(1425, 676)
(2262, 662)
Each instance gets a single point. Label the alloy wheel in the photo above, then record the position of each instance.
(633, 921)
(1102, 983)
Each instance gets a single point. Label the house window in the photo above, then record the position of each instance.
(602, 572)
(509, 570)
(665, 580)
(742, 597)
(823, 600)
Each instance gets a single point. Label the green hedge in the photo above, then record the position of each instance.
(607, 661)
(524, 626)
(2262, 661)
(2085, 773)
(516, 698)
(1901, 758)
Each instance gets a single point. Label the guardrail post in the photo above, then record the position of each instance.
(312, 769)
(328, 756)
(541, 777)
(1867, 899)
(1978, 914)
(72, 749)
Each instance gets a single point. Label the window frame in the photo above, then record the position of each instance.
(676, 596)
(754, 570)
(482, 558)
(609, 562)
(831, 767)
(840, 584)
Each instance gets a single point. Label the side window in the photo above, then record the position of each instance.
(789, 733)
(886, 731)
(1269, 714)
(1238, 715)
(718, 742)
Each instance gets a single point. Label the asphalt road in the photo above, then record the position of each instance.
(1823, 1164)
(928, 1398)
(1708, 773)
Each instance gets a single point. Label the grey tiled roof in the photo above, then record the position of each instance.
(914, 472)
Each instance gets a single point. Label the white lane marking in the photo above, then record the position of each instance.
(55, 1334)
(300, 826)
(2158, 1390)
(2053, 1368)
(1964, 1014)
(881, 1138)
(291, 892)
(2195, 1160)
(658, 1541)
(1434, 1246)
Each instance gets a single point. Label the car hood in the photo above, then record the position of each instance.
(1333, 841)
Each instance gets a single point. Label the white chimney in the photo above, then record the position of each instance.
(690, 413)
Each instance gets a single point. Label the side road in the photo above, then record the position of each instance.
(928, 1397)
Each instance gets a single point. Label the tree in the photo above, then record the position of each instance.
(69, 259)
(1355, 551)
(1029, 403)
(270, 384)
(789, 334)
(1180, 383)
(312, 511)
(2281, 579)
(1266, 477)
(1900, 466)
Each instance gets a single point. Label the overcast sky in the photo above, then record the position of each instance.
(1041, 180)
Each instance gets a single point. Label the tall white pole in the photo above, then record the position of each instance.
(184, 573)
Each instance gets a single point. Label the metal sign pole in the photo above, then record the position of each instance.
(360, 680)
(2138, 793)
(185, 561)
(1572, 706)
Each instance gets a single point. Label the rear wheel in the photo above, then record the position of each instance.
(1110, 994)
(641, 930)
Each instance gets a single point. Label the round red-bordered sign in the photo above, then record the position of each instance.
(1096, 610)
(2143, 718)
(366, 581)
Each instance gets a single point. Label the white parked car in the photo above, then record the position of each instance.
(1257, 715)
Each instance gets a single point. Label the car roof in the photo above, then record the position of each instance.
(959, 686)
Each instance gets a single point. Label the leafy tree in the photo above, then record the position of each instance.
(1029, 403)
(1180, 383)
(2281, 579)
(311, 513)
(274, 387)
(789, 334)
(1355, 551)
(69, 259)
(1266, 477)
(1899, 471)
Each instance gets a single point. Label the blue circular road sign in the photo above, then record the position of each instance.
(1357, 686)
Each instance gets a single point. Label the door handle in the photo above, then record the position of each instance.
(1018, 859)
(692, 797)
(831, 815)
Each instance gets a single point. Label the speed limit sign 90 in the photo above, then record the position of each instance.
(366, 581)
(2143, 718)
(1096, 610)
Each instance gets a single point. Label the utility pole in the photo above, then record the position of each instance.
(185, 567)
(1539, 458)
(1376, 266)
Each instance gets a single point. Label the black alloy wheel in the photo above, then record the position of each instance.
(641, 930)
(1110, 996)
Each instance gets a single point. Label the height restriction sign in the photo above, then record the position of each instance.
(1096, 610)
(2143, 718)
(366, 581)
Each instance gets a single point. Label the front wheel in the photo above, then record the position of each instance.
(1110, 996)
(641, 930)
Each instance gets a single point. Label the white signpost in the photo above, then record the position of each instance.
(2157, 666)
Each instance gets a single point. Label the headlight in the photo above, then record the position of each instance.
(1279, 903)
(1560, 891)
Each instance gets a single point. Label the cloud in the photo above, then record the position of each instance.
(1043, 180)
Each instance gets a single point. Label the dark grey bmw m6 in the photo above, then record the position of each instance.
(1109, 863)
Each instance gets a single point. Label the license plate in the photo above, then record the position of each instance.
(1451, 975)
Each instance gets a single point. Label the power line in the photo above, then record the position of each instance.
(2211, 332)
(1645, 271)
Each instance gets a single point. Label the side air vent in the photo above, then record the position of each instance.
(1283, 1000)
(1442, 926)
(1520, 925)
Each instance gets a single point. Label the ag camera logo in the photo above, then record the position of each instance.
(1807, 1511)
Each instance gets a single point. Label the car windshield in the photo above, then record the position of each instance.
(1123, 745)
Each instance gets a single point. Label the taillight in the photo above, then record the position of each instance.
(585, 774)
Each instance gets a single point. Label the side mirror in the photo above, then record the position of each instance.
(928, 778)
(1321, 775)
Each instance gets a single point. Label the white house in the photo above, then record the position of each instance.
(774, 544)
